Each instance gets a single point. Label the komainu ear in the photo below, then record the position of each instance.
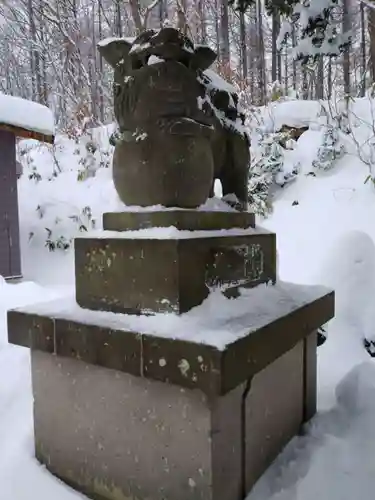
(115, 51)
(203, 58)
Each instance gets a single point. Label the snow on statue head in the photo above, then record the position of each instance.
(180, 125)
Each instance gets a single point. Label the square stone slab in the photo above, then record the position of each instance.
(123, 273)
(190, 220)
(109, 340)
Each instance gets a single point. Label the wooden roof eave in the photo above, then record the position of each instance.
(27, 134)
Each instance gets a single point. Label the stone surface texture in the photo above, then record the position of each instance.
(168, 275)
(164, 101)
(274, 411)
(125, 437)
(188, 364)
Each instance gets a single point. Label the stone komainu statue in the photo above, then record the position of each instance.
(180, 125)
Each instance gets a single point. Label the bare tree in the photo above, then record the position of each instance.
(260, 49)
(243, 46)
(346, 22)
(371, 30)
(224, 47)
(276, 59)
(320, 79)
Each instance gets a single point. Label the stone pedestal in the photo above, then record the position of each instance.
(170, 272)
(178, 405)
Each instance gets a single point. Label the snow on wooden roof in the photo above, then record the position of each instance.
(26, 118)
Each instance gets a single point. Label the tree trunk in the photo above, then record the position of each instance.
(118, 18)
(371, 29)
(243, 47)
(305, 85)
(161, 13)
(320, 79)
(329, 79)
(92, 66)
(217, 29)
(101, 74)
(261, 59)
(136, 15)
(43, 64)
(363, 50)
(34, 55)
(224, 36)
(286, 79)
(252, 52)
(182, 23)
(294, 43)
(276, 59)
(346, 56)
(202, 21)
(279, 64)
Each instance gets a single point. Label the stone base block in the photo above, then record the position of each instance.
(124, 415)
(147, 275)
(189, 220)
(114, 436)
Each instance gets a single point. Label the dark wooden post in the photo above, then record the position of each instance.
(10, 254)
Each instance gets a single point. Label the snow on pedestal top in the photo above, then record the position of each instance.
(218, 321)
(25, 114)
(214, 204)
(171, 233)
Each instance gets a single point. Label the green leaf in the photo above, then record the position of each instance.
(368, 178)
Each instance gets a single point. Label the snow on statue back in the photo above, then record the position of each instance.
(178, 130)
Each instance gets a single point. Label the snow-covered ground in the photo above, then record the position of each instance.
(326, 238)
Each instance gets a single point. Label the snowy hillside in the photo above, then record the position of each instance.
(325, 233)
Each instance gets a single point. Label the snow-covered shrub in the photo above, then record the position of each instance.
(88, 161)
(259, 193)
(267, 170)
(343, 122)
(56, 236)
(57, 204)
(270, 154)
(331, 149)
(56, 241)
(276, 91)
(115, 137)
